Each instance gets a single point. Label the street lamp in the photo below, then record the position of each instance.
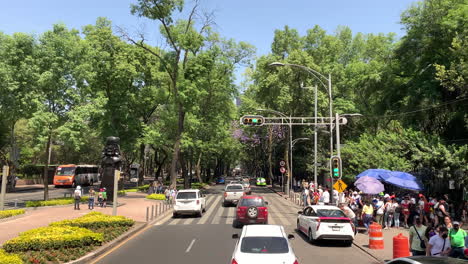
(290, 144)
(318, 76)
(338, 118)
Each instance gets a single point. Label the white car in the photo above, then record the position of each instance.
(263, 244)
(233, 193)
(189, 201)
(325, 222)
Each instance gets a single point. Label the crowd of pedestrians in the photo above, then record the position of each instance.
(429, 220)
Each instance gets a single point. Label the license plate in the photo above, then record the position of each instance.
(252, 221)
(335, 228)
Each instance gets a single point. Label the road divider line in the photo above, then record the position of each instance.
(210, 210)
(191, 220)
(190, 246)
(163, 220)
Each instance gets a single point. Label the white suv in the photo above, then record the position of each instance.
(189, 201)
(263, 244)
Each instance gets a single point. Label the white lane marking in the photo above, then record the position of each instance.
(191, 220)
(162, 221)
(230, 215)
(277, 215)
(210, 210)
(217, 219)
(190, 246)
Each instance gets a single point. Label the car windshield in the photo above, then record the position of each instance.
(252, 202)
(187, 195)
(330, 213)
(234, 187)
(264, 245)
(65, 171)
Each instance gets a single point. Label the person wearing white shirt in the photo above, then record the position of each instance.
(326, 196)
(439, 245)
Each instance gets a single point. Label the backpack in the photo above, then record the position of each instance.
(77, 194)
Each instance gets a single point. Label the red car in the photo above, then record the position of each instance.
(251, 209)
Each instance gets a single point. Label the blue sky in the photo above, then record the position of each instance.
(253, 21)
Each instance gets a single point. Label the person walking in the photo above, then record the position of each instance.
(77, 195)
(380, 208)
(104, 197)
(173, 194)
(305, 196)
(100, 197)
(326, 196)
(367, 213)
(91, 196)
(416, 234)
(406, 212)
(167, 193)
(398, 210)
(441, 211)
(350, 214)
(389, 213)
(439, 245)
(457, 238)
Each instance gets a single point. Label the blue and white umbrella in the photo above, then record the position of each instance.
(404, 180)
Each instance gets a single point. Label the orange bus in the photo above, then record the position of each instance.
(72, 175)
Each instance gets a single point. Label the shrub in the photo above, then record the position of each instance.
(95, 220)
(143, 188)
(57, 201)
(53, 237)
(156, 196)
(6, 258)
(9, 213)
(198, 185)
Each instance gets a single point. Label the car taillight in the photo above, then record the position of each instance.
(318, 224)
(352, 225)
(296, 262)
(233, 261)
(225, 194)
(198, 201)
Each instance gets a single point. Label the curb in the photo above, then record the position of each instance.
(103, 249)
(368, 253)
(112, 244)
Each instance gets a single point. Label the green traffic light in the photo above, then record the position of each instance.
(254, 120)
(335, 170)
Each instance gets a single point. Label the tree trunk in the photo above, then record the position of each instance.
(183, 165)
(175, 155)
(141, 176)
(198, 169)
(46, 167)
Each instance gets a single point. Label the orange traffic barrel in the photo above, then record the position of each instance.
(376, 240)
(400, 246)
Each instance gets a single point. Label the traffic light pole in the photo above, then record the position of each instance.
(338, 151)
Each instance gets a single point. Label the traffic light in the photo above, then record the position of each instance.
(336, 166)
(252, 120)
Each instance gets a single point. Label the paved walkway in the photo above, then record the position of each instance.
(362, 241)
(133, 206)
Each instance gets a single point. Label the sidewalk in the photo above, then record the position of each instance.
(133, 206)
(362, 241)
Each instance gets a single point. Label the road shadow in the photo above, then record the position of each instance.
(322, 243)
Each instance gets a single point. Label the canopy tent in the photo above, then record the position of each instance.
(404, 180)
(396, 178)
(379, 174)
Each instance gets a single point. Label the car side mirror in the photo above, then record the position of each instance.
(290, 236)
(235, 236)
(266, 203)
(299, 212)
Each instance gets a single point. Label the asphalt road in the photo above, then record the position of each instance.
(208, 239)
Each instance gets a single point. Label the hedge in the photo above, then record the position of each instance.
(9, 213)
(53, 237)
(95, 220)
(143, 188)
(6, 258)
(156, 196)
(57, 201)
